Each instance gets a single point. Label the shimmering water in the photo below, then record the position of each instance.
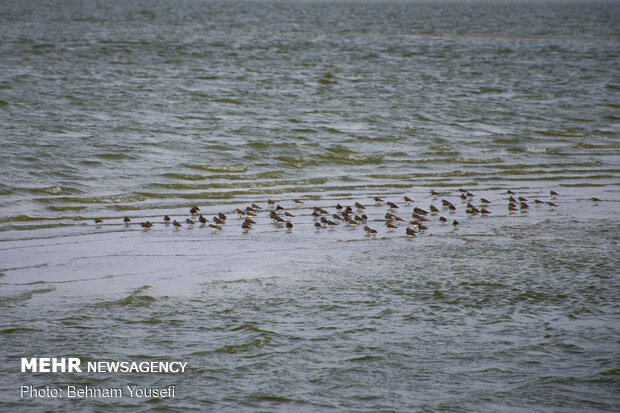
(140, 109)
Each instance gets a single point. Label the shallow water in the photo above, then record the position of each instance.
(142, 109)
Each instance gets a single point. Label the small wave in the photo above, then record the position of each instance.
(243, 347)
(387, 138)
(53, 190)
(25, 296)
(304, 130)
(188, 177)
(365, 358)
(65, 208)
(114, 156)
(321, 159)
(217, 168)
(228, 101)
(271, 398)
(132, 300)
(597, 146)
(20, 329)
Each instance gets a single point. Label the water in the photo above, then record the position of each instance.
(140, 109)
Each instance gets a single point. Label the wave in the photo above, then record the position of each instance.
(217, 168)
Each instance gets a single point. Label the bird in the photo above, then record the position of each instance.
(434, 194)
(553, 194)
(552, 205)
(246, 226)
(434, 209)
(485, 212)
(378, 200)
(193, 210)
(407, 200)
(391, 227)
(202, 219)
(484, 201)
(419, 211)
(214, 228)
(442, 220)
(176, 224)
(360, 206)
(271, 202)
(256, 206)
(509, 192)
(126, 220)
(221, 216)
(166, 219)
(298, 201)
(289, 215)
(240, 212)
(218, 221)
(146, 225)
(289, 225)
(595, 200)
(189, 222)
(317, 225)
(392, 205)
(455, 223)
(410, 232)
(98, 222)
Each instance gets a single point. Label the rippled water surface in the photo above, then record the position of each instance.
(146, 108)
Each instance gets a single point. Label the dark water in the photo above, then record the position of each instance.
(145, 108)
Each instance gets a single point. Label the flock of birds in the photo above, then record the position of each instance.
(354, 216)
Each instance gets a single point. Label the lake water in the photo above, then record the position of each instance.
(146, 108)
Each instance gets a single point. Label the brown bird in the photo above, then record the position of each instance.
(126, 220)
(410, 232)
(408, 200)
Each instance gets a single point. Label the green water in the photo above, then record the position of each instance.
(141, 109)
